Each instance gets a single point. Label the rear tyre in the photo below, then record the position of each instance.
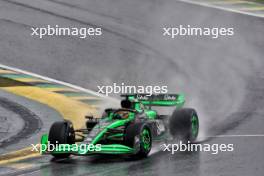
(138, 136)
(184, 124)
(62, 133)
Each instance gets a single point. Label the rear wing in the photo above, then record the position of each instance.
(157, 99)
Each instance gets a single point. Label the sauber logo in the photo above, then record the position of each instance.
(169, 97)
(143, 97)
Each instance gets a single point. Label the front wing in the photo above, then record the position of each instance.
(83, 149)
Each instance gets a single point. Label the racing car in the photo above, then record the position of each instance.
(131, 129)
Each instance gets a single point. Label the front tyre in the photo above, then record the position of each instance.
(138, 136)
(184, 124)
(61, 133)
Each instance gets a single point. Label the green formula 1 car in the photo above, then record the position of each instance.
(131, 129)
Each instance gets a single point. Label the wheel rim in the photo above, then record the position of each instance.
(195, 126)
(146, 139)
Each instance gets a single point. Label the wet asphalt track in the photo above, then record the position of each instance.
(30, 122)
(222, 78)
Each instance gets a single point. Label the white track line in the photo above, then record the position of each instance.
(56, 81)
(237, 135)
(222, 8)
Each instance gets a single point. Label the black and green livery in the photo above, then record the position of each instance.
(131, 129)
